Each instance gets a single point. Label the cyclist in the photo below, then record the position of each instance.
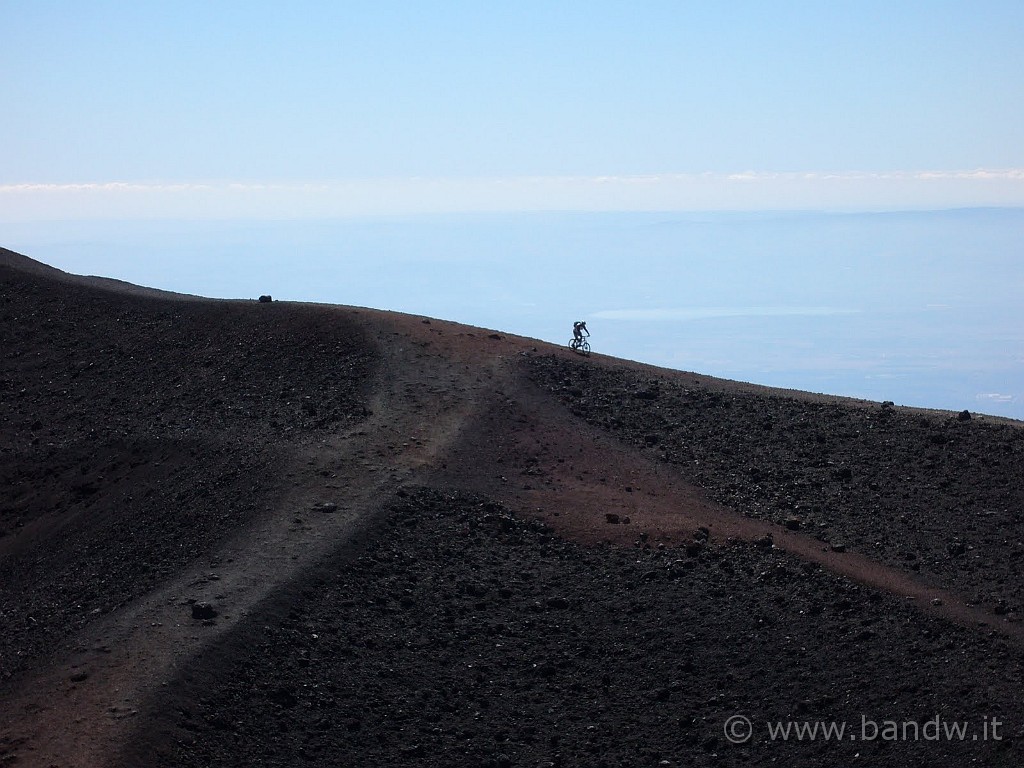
(578, 329)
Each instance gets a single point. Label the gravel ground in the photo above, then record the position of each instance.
(137, 433)
(456, 633)
(929, 493)
(143, 436)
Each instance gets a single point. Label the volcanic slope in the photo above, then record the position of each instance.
(236, 533)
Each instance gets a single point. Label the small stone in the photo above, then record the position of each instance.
(283, 697)
(203, 611)
(964, 415)
(612, 518)
(557, 602)
(475, 588)
(266, 299)
(328, 506)
(838, 547)
(793, 523)
(79, 677)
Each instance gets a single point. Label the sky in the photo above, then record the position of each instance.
(320, 109)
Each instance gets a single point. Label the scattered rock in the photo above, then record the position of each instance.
(612, 518)
(283, 697)
(956, 549)
(475, 588)
(84, 489)
(266, 298)
(793, 523)
(203, 611)
(78, 677)
(964, 415)
(326, 507)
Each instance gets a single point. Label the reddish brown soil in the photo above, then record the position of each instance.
(527, 558)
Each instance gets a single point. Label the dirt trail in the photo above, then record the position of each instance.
(76, 711)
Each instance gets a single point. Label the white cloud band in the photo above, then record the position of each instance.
(656, 192)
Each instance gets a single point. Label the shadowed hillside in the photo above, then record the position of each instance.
(236, 534)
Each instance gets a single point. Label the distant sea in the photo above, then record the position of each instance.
(921, 308)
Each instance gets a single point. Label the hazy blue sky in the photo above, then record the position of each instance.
(186, 109)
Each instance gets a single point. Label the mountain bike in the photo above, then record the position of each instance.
(579, 345)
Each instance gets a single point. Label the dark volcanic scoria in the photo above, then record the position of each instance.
(245, 533)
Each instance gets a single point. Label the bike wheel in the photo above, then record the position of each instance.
(585, 347)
